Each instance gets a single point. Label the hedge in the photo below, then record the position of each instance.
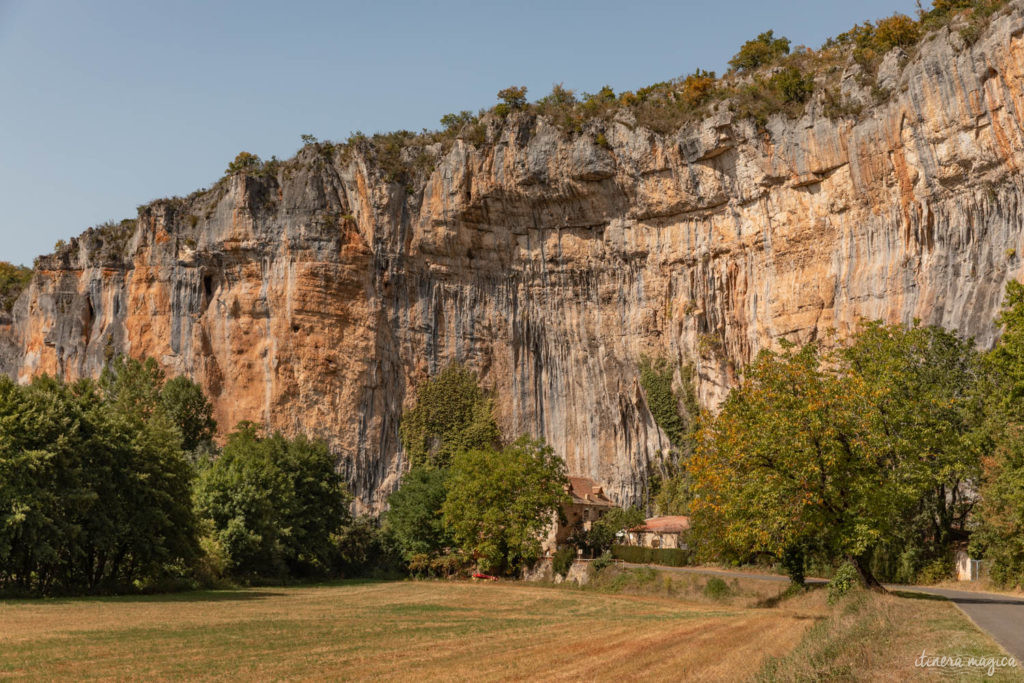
(672, 557)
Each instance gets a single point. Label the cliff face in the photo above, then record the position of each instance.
(315, 298)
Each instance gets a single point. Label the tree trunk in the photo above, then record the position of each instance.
(867, 579)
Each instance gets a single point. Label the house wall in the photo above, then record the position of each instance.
(558, 533)
(653, 539)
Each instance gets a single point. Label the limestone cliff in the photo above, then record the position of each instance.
(316, 296)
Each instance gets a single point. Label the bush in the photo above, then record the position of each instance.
(512, 99)
(899, 30)
(454, 564)
(601, 535)
(455, 122)
(670, 557)
(792, 85)
(630, 578)
(761, 51)
(937, 570)
(842, 582)
(602, 562)
(717, 589)
(13, 281)
(244, 163)
(561, 563)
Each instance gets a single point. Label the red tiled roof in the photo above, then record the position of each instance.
(586, 491)
(672, 524)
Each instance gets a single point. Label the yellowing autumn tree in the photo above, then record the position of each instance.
(790, 463)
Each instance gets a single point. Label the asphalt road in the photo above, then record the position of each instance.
(1001, 616)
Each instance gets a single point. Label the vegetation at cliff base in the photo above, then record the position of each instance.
(94, 486)
(866, 455)
(273, 504)
(999, 535)
(97, 480)
(500, 501)
(467, 500)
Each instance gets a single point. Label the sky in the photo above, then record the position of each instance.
(108, 105)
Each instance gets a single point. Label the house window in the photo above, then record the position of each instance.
(586, 515)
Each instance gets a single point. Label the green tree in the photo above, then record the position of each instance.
(761, 51)
(92, 496)
(414, 512)
(603, 531)
(189, 409)
(792, 85)
(274, 504)
(999, 536)
(13, 281)
(245, 162)
(451, 414)
(514, 97)
(923, 383)
(792, 456)
(500, 502)
(133, 386)
(455, 122)
(673, 496)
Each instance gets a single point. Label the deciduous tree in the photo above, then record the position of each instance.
(500, 501)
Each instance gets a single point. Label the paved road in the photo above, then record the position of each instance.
(1001, 616)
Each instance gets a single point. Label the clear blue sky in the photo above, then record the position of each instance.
(108, 105)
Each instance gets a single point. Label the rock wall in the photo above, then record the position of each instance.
(316, 297)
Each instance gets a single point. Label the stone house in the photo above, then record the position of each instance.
(660, 532)
(589, 503)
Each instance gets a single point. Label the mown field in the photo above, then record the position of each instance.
(415, 630)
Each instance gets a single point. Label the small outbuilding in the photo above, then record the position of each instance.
(660, 532)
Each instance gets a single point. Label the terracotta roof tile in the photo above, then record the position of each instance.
(671, 524)
(586, 491)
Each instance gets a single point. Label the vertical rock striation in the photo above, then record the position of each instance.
(316, 297)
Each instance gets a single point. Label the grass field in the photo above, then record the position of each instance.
(450, 630)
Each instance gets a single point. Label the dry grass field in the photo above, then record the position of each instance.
(454, 630)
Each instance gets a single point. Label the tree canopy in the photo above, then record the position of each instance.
(500, 501)
(868, 454)
(94, 492)
(273, 503)
(1000, 521)
(414, 512)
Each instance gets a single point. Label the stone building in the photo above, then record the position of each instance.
(660, 532)
(589, 503)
